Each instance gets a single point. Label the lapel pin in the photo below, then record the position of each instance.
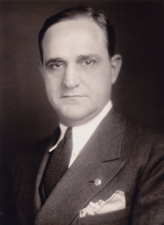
(97, 182)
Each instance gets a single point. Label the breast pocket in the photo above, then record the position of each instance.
(115, 218)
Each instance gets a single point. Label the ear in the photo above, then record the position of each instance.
(116, 62)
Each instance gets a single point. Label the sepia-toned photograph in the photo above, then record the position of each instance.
(82, 112)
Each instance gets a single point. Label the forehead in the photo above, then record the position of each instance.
(76, 29)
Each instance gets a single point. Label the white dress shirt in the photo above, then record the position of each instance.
(82, 133)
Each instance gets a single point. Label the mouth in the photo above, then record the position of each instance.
(73, 99)
(72, 96)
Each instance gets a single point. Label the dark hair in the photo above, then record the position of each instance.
(81, 11)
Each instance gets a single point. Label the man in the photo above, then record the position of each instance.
(113, 172)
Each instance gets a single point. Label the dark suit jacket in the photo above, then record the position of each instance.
(123, 156)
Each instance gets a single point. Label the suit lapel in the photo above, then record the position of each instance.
(100, 159)
(29, 175)
(26, 175)
(37, 198)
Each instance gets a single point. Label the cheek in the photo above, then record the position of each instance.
(52, 84)
(98, 82)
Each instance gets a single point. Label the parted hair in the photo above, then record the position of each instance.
(82, 11)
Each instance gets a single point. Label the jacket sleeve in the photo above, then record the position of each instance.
(149, 200)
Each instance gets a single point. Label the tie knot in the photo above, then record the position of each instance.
(68, 139)
(68, 133)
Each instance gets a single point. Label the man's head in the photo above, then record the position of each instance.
(74, 13)
(78, 63)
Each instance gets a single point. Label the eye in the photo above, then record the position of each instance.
(88, 62)
(55, 65)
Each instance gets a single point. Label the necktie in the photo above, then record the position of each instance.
(58, 163)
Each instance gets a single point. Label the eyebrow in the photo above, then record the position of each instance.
(89, 56)
(53, 60)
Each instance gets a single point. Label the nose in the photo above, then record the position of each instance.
(71, 77)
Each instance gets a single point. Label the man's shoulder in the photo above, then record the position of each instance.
(34, 149)
(144, 133)
(139, 136)
(142, 145)
(31, 155)
(136, 126)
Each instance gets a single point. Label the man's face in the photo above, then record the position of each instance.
(77, 69)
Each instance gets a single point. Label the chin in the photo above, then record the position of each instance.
(72, 119)
(76, 115)
(75, 119)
